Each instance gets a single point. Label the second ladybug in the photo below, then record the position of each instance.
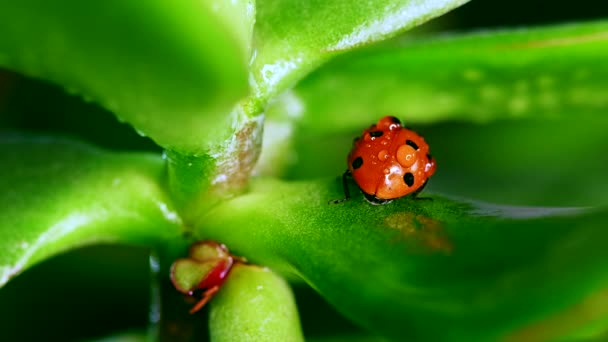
(388, 161)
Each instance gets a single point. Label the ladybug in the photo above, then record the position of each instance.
(388, 161)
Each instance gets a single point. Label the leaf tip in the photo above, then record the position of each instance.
(7, 273)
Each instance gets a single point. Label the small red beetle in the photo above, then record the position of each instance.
(388, 161)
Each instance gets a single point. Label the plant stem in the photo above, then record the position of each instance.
(199, 182)
(254, 304)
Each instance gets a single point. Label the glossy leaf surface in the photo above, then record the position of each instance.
(529, 106)
(559, 162)
(294, 37)
(59, 194)
(474, 269)
(173, 70)
(547, 72)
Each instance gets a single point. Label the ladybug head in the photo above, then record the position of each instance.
(388, 123)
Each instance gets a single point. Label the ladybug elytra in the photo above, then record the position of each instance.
(388, 161)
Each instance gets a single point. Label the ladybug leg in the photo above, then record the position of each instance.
(375, 200)
(207, 295)
(417, 192)
(345, 176)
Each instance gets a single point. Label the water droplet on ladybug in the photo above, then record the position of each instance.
(406, 155)
(383, 155)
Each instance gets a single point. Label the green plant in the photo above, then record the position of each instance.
(207, 80)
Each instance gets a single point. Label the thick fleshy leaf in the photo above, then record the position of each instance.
(514, 157)
(479, 271)
(556, 162)
(506, 161)
(294, 37)
(59, 194)
(549, 72)
(173, 70)
(254, 305)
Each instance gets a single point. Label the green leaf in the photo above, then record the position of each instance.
(173, 70)
(292, 38)
(409, 78)
(254, 305)
(522, 162)
(59, 194)
(506, 161)
(549, 72)
(478, 271)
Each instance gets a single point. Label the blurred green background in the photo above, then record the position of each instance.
(96, 291)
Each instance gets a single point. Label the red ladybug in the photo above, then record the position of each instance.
(388, 161)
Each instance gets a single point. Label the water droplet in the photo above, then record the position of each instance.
(383, 155)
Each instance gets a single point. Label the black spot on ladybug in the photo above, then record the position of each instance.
(411, 143)
(409, 179)
(395, 120)
(429, 156)
(376, 134)
(357, 163)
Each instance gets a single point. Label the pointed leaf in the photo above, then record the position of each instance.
(173, 70)
(506, 161)
(479, 271)
(548, 72)
(293, 38)
(58, 194)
